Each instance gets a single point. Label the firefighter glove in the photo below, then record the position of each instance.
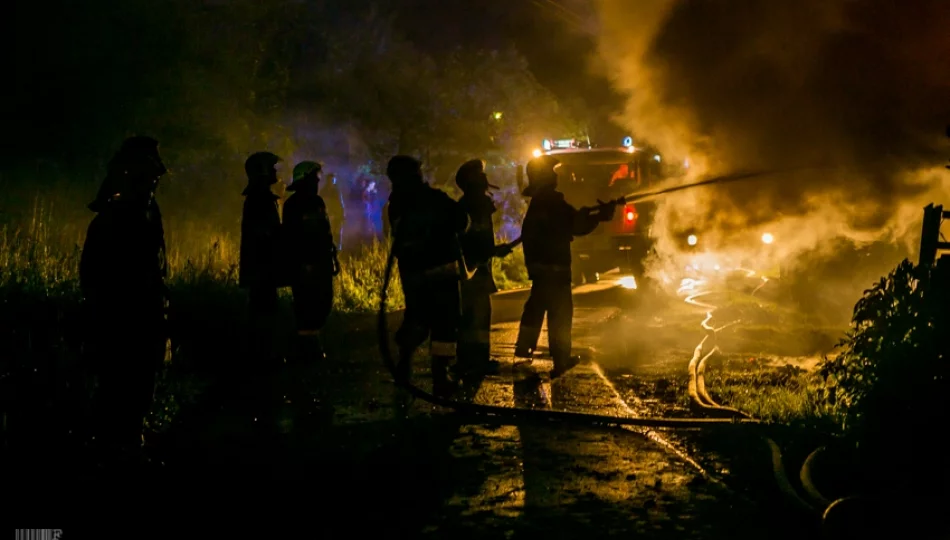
(606, 210)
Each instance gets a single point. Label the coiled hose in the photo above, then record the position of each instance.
(816, 503)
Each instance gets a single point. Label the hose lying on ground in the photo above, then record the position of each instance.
(817, 503)
(806, 474)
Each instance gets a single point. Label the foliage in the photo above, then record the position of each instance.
(361, 280)
(892, 370)
(440, 108)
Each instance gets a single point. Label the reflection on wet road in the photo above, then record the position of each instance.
(545, 479)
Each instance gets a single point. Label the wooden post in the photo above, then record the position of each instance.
(930, 242)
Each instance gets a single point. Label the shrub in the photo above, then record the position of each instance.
(889, 386)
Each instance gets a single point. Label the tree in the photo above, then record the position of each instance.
(440, 108)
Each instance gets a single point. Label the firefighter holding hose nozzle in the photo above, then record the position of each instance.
(549, 227)
(426, 224)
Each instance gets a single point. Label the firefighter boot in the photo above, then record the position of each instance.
(442, 385)
(563, 365)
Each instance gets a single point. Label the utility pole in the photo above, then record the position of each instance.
(930, 236)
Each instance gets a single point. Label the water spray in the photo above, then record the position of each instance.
(723, 179)
(715, 180)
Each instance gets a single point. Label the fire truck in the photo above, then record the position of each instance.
(589, 174)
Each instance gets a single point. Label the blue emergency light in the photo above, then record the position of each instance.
(546, 144)
(627, 142)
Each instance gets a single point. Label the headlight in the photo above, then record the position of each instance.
(692, 240)
(767, 238)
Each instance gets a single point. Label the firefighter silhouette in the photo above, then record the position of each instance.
(478, 247)
(310, 255)
(260, 268)
(426, 223)
(122, 277)
(550, 226)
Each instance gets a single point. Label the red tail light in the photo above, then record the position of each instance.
(629, 214)
(629, 218)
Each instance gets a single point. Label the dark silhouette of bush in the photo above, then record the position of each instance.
(889, 386)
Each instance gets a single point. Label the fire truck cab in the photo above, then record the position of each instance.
(589, 174)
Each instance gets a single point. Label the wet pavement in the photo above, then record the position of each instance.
(555, 481)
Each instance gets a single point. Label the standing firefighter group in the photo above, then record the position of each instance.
(444, 249)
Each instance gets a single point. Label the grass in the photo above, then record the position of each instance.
(772, 393)
(757, 380)
(779, 394)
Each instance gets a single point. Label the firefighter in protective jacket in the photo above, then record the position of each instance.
(310, 255)
(122, 277)
(259, 270)
(478, 247)
(426, 224)
(549, 227)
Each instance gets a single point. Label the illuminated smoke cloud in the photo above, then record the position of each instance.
(863, 86)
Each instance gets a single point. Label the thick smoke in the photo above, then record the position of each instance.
(861, 86)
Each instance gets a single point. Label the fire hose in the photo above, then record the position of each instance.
(816, 502)
(725, 416)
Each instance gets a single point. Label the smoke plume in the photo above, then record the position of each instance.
(861, 86)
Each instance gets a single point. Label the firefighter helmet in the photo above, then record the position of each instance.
(138, 157)
(135, 167)
(541, 171)
(471, 177)
(403, 170)
(261, 164)
(303, 170)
